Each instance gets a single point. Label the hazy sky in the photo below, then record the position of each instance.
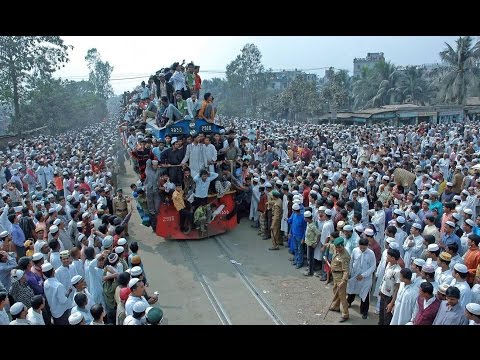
(139, 57)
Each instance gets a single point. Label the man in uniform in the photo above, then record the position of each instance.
(276, 209)
(340, 265)
(120, 207)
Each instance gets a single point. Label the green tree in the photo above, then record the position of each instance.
(386, 75)
(414, 86)
(246, 80)
(24, 60)
(100, 73)
(460, 71)
(300, 98)
(363, 88)
(336, 92)
(62, 105)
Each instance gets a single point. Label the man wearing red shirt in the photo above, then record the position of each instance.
(306, 192)
(306, 154)
(472, 257)
(83, 187)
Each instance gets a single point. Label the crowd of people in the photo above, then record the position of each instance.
(390, 213)
(65, 254)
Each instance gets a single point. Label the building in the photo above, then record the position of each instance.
(281, 79)
(404, 114)
(369, 61)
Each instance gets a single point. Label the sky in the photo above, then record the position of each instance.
(138, 57)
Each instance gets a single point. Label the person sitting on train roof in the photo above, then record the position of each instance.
(207, 111)
(151, 111)
(166, 187)
(181, 105)
(171, 113)
(193, 107)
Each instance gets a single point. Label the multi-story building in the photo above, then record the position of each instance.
(283, 78)
(369, 61)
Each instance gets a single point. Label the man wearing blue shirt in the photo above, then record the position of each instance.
(449, 236)
(18, 237)
(202, 182)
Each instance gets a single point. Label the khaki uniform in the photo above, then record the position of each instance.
(276, 221)
(120, 206)
(268, 214)
(340, 265)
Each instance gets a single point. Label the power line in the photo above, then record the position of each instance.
(140, 76)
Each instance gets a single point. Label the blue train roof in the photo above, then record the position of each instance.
(183, 128)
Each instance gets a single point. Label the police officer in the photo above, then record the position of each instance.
(120, 207)
(340, 265)
(276, 208)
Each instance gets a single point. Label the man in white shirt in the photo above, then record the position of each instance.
(58, 297)
(138, 314)
(67, 271)
(406, 299)
(138, 289)
(389, 287)
(362, 266)
(193, 105)
(460, 273)
(443, 273)
(19, 314)
(34, 314)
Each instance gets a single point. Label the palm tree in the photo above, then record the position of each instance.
(460, 70)
(387, 76)
(363, 88)
(414, 87)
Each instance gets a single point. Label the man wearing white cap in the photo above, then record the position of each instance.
(472, 313)
(58, 297)
(312, 237)
(362, 200)
(138, 314)
(137, 287)
(378, 220)
(254, 203)
(19, 314)
(389, 287)
(400, 235)
(298, 225)
(460, 273)
(362, 266)
(450, 237)
(78, 282)
(351, 238)
(413, 244)
(326, 231)
(67, 271)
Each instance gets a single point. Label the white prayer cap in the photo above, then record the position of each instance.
(139, 307)
(428, 268)
(17, 273)
(85, 215)
(76, 279)
(456, 216)
(255, 179)
(369, 232)
(417, 226)
(81, 237)
(296, 206)
(362, 190)
(17, 308)
(461, 268)
(174, 140)
(348, 228)
(328, 212)
(132, 282)
(322, 208)
(473, 308)
(119, 249)
(419, 262)
(3, 234)
(386, 178)
(295, 192)
(75, 318)
(53, 229)
(307, 214)
(470, 222)
(268, 185)
(465, 192)
(136, 271)
(450, 223)
(79, 224)
(449, 184)
(394, 245)
(359, 228)
(398, 212)
(371, 179)
(122, 241)
(296, 197)
(400, 220)
(297, 201)
(433, 193)
(279, 182)
(457, 197)
(47, 267)
(468, 211)
(56, 222)
(37, 256)
(433, 247)
(154, 162)
(263, 177)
